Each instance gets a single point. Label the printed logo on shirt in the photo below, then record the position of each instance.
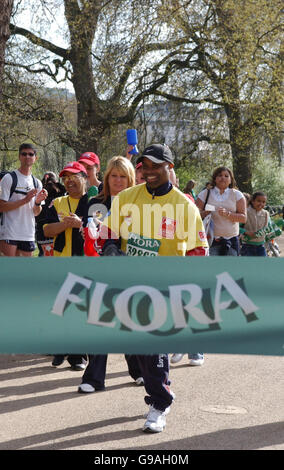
(138, 245)
(167, 228)
(202, 236)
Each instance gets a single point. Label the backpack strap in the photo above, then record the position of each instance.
(35, 182)
(12, 189)
(14, 183)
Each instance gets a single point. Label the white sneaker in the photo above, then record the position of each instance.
(156, 420)
(86, 388)
(176, 358)
(139, 381)
(166, 412)
(196, 359)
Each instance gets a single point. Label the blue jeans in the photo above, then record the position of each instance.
(253, 250)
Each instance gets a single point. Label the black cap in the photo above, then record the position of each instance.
(157, 153)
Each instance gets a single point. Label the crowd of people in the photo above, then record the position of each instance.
(83, 216)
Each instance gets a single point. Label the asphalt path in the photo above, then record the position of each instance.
(232, 402)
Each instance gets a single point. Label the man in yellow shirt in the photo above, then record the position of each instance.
(155, 219)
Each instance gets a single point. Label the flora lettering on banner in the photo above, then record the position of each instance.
(119, 301)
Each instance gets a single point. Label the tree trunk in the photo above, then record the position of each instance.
(6, 10)
(241, 139)
(242, 167)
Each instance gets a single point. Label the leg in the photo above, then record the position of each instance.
(94, 375)
(25, 248)
(155, 370)
(134, 369)
(7, 248)
(24, 253)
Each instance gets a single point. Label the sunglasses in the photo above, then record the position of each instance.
(70, 177)
(30, 154)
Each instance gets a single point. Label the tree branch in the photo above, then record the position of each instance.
(39, 41)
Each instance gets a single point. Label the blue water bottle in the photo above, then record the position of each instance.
(132, 139)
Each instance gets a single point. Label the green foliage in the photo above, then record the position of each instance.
(268, 177)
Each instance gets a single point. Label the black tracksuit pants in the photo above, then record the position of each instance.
(155, 371)
(95, 372)
(153, 368)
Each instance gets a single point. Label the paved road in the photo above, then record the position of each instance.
(231, 402)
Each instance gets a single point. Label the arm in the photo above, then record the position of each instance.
(7, 206)
(199, 251)
(128, 150)
(200, 204)
(239, 216)
(41, 196)
(53, 229)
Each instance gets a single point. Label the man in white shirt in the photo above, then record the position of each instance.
(20, 208)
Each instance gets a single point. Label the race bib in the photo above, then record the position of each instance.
(137, 245)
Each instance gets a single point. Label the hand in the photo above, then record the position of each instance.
(42, 195)
(128, 150)
(32, 193)
(250, 234)
(224, 212)
(72, 221)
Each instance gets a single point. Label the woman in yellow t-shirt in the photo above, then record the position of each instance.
(64, 217)
(63, 223)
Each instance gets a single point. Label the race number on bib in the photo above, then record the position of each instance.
(138, 245)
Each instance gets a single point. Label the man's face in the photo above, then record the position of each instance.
(27, 157)
(155, 174)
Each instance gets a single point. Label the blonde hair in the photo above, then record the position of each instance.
(124, 166)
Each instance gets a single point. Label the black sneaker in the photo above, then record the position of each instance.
(57, 361)
(79, 367)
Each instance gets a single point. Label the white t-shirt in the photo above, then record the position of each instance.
(228, 199)
(18, 224)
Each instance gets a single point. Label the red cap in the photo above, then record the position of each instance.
(90, 158)
(138, 165)
(73, 167)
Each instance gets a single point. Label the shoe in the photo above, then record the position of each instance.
(156, 421)
(176, 358)
(166, 412)
(80, 367)
(196, 359)
(139, 381)
(86, 388)
(57, 361)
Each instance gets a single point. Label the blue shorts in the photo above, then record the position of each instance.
(22, 245)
